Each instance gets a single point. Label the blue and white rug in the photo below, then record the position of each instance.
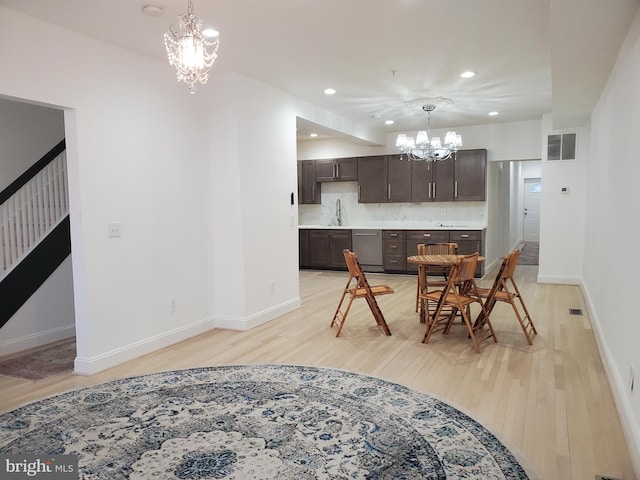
(257, 422)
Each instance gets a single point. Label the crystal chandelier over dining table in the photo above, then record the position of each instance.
(427, 148)
(190, 51)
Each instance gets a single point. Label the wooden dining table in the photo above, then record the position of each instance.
(424, 261)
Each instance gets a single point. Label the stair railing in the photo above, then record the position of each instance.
(32, 211)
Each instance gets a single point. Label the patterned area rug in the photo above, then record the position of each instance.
(42, 362)
(257, 422)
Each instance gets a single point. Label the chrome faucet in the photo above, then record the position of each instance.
(338, 212)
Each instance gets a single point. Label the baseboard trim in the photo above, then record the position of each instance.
(246, 323)
(618, 386)
(37, 339)
(557, 280)
(89, 366)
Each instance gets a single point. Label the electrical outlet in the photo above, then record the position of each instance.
(113, 229)
(172, 305)
(443, 212)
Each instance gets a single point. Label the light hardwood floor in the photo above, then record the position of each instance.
(550, 402)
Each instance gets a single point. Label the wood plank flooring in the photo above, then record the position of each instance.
(549, 402)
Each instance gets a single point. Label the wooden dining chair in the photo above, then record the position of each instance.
(434, 271)
(459, 293)
(505, 289)
(358, 287)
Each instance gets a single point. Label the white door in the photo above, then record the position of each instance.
(531, 222)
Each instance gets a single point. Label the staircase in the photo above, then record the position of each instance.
(34, 229)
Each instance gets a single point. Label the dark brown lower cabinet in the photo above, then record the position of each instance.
(326, 248)
(322, 248)
(303, 248)
(470, 241)
(394, 250)
(415, 237)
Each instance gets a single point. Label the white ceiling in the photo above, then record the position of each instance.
(383, 56)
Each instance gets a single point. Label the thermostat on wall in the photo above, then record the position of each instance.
(564, 189)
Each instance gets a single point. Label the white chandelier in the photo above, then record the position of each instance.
(421, 148)
(190, 51)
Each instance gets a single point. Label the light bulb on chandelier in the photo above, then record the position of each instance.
(427, 148)
(190, 51)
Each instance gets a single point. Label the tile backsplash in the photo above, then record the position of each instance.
(453, 214)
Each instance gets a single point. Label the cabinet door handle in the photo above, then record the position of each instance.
(313, 192)
(455, 189)
(426, 235)
(429, 190)
(434, 190)
(337, 170)
(394, 235)
(358, 192)
(464, 235)
(393, 246)
(366, 234)
(388, 191)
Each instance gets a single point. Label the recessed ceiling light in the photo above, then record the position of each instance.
(388, 122)
(210, 32)
(493, 114)
(329, 91)
(313, 134)
(153, 10)
(467, 74)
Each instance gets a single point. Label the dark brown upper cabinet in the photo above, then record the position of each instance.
(308, 188)
(470, 178)
(384, 179)
(432, 181)
(337, 170)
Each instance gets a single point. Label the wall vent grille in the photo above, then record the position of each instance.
(575, 311)
(561, 146)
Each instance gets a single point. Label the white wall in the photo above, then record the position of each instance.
(27, 132)
(610, 282)
(136, 155)
(563, 215)
(171, 168)
(254, 228)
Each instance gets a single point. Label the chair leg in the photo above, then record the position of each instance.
(465, 317)
(339, 316)
(526, 323)
(436, 321)
(344, 294)
(377, 313)
(342, 317)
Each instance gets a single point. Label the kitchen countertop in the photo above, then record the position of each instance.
(394, 227)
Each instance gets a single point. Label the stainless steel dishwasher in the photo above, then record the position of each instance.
(367, 245)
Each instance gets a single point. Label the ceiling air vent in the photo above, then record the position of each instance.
(561, 146)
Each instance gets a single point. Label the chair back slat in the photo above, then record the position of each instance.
(500, 277)
(513, 261)
(349, 258)
(466, 268)
(440, 249)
